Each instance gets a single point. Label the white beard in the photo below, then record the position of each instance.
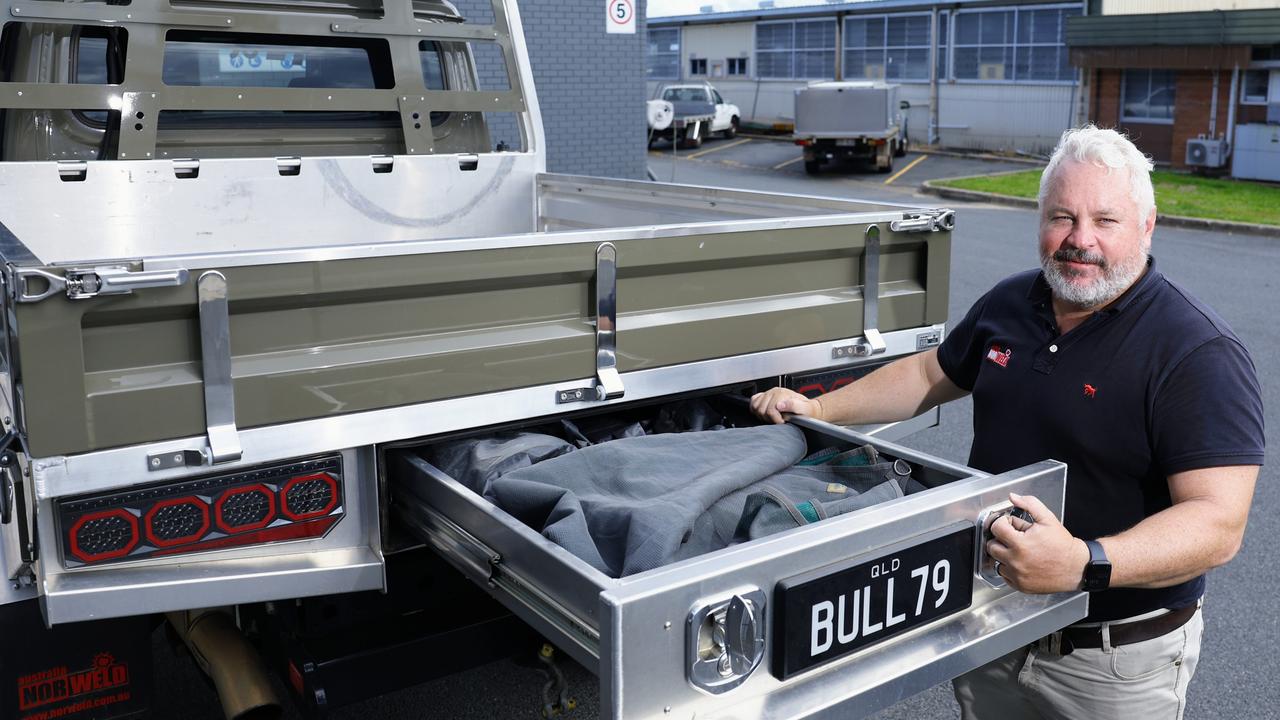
(1116, 278)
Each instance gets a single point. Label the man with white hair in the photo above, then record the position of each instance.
(1099, 361)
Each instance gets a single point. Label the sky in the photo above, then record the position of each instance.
(660, 8)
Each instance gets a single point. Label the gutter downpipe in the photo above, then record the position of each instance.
(1231, 110)
(1213, 107)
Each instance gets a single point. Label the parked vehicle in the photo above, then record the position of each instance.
(850, 121)
(699, 112)
(242, 313)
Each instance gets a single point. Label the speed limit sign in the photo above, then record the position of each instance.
(620, 16)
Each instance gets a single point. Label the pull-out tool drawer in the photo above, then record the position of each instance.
(838, 618)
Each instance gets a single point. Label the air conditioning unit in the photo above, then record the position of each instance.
(1206, 152)
(991, 71)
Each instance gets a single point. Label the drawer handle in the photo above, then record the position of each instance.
(985, 563)
(726, 640)
(744, 635)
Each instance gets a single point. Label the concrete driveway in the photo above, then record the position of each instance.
(782, 158)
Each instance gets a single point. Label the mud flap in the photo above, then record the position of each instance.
(99, 669)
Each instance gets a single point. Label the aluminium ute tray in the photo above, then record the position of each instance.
(636, 633)
(488, 288)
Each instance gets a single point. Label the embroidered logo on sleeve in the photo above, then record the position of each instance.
(1090, 391)
(999, 355)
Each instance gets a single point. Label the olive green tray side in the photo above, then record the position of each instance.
(327, 338)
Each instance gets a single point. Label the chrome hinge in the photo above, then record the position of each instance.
(931, 221)
(872, 343)
(85, 283)
(608, 384)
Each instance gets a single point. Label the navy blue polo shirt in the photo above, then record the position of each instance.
(1153, 385)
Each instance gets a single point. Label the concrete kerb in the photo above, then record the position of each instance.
(1193, 223)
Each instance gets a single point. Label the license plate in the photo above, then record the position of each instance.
(834, 612)
(848, 142)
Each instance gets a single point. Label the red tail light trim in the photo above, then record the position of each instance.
(297, 531)
(74, 544)
(149, 522)
(230, 510)
(229, 528)
(327, 479)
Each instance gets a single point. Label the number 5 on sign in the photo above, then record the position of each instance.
(620, 16)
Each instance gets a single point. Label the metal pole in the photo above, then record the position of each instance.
(1213, 107)
(675, 147)
(1232, 100)
(933, 78)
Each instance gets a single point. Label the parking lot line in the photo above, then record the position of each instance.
(700, 153)
(910, 165)
(792, 161)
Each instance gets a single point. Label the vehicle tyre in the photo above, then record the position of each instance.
(888, 167)
(811, 167)
(732, 131)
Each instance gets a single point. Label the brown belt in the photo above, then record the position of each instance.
(1130, 632)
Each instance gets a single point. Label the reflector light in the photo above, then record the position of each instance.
(104, 535)
(309, 496)
(246, 508)
(257, 506)
(177, 522)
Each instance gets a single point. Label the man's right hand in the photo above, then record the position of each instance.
(773, 404)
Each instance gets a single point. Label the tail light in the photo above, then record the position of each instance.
(804, 143)
(254, 507)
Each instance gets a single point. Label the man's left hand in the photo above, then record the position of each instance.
(1038, 557)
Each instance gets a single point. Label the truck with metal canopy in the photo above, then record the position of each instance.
(260, 258)
(850, 120)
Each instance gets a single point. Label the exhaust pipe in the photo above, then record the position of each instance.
(238, 673)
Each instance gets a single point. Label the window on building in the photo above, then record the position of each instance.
(697, 66)
(737, 66)
(1014, 45)
(1147, 96)
(663, 57)
(1256, 83)
(1265, 53)
(1040, 53)
(803, 49)
(893, 47)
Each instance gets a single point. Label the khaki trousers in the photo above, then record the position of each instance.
(1146, 680)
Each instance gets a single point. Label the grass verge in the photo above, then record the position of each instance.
(1176, 194)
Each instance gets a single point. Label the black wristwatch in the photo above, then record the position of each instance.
(1097, 572)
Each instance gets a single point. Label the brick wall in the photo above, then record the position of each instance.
(1106, 105)
(590, 85)
(1193, 103)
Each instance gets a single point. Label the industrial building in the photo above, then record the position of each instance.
(1194, 82)
(1194, 88)
(977, 75)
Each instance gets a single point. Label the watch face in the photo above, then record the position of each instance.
(1097, 576)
